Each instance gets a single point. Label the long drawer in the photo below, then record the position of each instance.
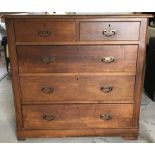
(65, 59)
(111, 30)
(44, 31)
(77, 87)
(77, 116)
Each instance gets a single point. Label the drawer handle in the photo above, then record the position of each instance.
(109, 33)
(44, 33)
(48, 117)
(105, 117)
(47, 90)
(47, 59)
(108, 60)
(106, 89)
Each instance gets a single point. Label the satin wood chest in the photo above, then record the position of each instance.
(77, 75)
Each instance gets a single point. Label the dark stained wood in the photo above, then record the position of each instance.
(140, 71)
(44, 31)
(88, 73)
(122, 30)
(14, 72)
(77, 116)
(77, 88)
(128, 132)
(103, 42)
(77, 33)
(65, 59)
(82, 101)
(87, 16)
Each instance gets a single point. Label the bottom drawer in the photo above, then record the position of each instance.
(77, 116)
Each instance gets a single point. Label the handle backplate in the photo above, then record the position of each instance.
(105, 117)
(106, 89)
(48, 117)
(108, 60)
(109, 33)
(47, 90)
(47, 59)
(44, 33)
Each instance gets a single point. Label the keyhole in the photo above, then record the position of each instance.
(77, 78)
(109, 25)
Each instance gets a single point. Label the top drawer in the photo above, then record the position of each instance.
(109, 31)
(44, 31)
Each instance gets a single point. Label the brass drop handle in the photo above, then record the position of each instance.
(108, 60)
(44, 33)
(47, 90)
(109, 33)
(48, 117)
(105, 117)
(47, 59)
(106, 89)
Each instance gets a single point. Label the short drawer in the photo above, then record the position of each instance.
(73, 59)
(77, 87)
(44, 31)
(73, 116)
(109, 30)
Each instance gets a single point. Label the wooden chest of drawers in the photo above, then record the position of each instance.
(77, 75)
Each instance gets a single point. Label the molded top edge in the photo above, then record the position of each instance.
(27, 15)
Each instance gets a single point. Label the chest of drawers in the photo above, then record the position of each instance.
(77, 75)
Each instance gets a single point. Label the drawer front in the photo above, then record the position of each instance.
(44, 31)
(65, 59)
(77, 87)
(71, 116)
(109, 30)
